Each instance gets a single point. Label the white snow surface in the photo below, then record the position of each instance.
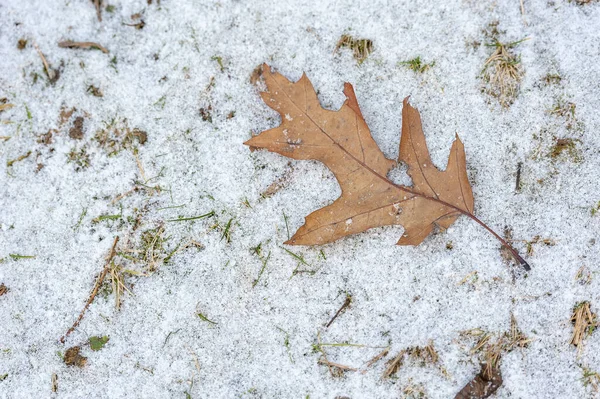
(157, 79)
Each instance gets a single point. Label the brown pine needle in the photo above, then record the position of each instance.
(94, 292)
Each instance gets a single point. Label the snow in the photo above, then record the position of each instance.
(158, 78)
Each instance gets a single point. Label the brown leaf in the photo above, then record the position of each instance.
(483, 385)
(342, 141)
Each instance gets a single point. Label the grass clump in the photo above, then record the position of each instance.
(424, 355)
(361, 48)
(417, 65)
(552, 79)
(490, 347)
(584, 323)
(117, 136)
(590, 378)
(564, 109)
(502, 73)
(79, 157)
(595, 209)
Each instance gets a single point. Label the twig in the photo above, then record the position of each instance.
(84, 45)
(94, 290)
(344, 306)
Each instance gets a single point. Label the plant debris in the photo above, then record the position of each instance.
(97, 343)
(95, 91)
(52, 74)
(345, 305)
(117, 136)
(76, 132)
(584, 323)
(11, 162)
(73, 358)
(490, 348)
(369, 199)
(82, 45)
(3, 289)
(426, 355)
(417, 65)
(502, 73)
(483, 385)
(566, 147)
(361, 48)
(93, 294)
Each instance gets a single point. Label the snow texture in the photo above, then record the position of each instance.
(192, 55)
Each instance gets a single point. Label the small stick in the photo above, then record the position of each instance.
(84, 45)
(94, 290)
(344, 306)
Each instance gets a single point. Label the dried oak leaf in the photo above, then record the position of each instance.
(342, 141)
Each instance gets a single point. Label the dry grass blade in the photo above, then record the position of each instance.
(98, 6)
(378, 357)
(51, 73)
(94, 292)
(83, 45)
(394, 364)
(591, 378)
(5, 107)
(361, 48)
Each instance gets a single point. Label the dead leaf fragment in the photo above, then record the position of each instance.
(73, 358)
(76, 132)
(3, 289)
(483, 385)
(342, 141)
